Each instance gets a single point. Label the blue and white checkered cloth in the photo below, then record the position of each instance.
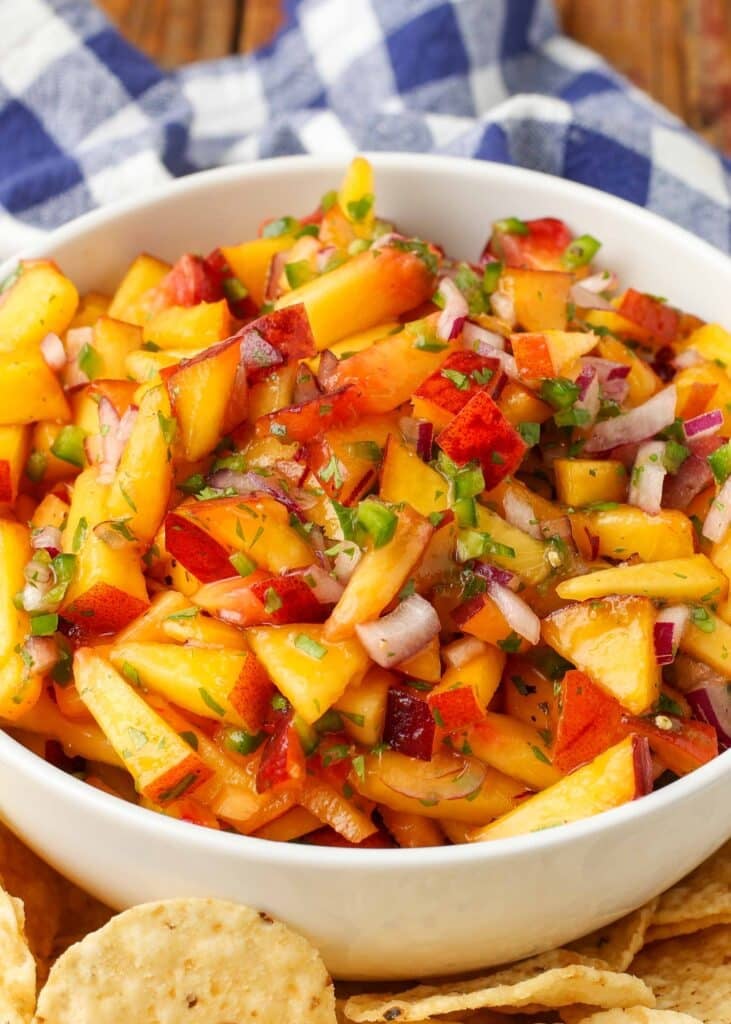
(86, 119)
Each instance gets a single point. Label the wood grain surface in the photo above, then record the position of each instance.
(677, 50)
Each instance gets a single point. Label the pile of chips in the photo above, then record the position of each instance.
(67, 959)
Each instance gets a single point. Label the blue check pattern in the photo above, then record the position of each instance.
(86, 119)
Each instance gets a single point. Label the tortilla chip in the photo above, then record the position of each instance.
(705, 892)
(548, 981)
(658, 933)
(632, 1015)
(17, 966)
(618, 943)
(691, 974)
(198, 960)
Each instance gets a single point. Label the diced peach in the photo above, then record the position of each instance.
(78, 739)
(29, 390)
(480, 431)
(311, 670)
(539, 244)
(551, 353)
(425, 665)
(112, 342)
(519, 404)
(539, 297)
(405, 477)
(357, 453)
(657, 318)
(250, 262)
(293, 824)
(611, 322)
(481, 617)
(370, 288)
(379, 575)
(625, 530)
(40, 301)
(225, 685)
(132, 300)
(529, 696)
(587, 481)
(621, 774)
(162, 764)
(363, 706)
(590, 635)
(677, 580)
(202, 631)
(642, 379)
(526, 556)
(14, 443)
(514, 748)
(444, 393)
(208, 396)
(181, 327)
(334, 809)
(305, 421)
(412, 831)
(464, 692)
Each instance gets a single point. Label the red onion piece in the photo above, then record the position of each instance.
(647, 477)
(276, 269)
(704, 425)
(455, 312)
(589, 398)
(638, 424)
(47, 538)
(383, 240)
(473, 336)
(114, 434)
(109, 532)
(76, 338)
(445, 777)
(326, 589)
(323, 258)
(419, 433)
(668, 632)
(254, 483)
(519, 616)
(327, 370)
(306, 386)
(503, 306)
(519, 513)
(689, 357)
(711, 703)
(581, 296)
(345, 559)
(53, 351)
(606, 369)
(42, 652)
(400, 634)
(603, 281)
(459, 652)
(717, 521)
(493, 574)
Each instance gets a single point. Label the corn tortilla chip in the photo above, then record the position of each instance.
(548, 981)
(691, 974)
(197, 960)
(631, 1015)
(618, 943)
(705, 892)
(658, 933)
(17, 966)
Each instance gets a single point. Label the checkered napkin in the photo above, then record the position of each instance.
(86, 119)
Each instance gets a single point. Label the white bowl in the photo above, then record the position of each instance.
(385, 913)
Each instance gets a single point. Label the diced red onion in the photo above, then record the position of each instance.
(503, 306)
(638, 424)
(589, 399)
(668, 631)
(38, 572)
(443, 778)
(47, 538)
(606, 369)
(108, 532)
(717, 521)
(276, 269)
(345, 559)
(519, 513)
(383, 240)
(326, 589)
(473, 336)
(254, 483)
(490, 351)
(400, 634)
(76, 338)
(711, 703)
(455, 311)
(494, 574)
(704, 425)
(602, 281)
(616, 390)
(687, 358)
(581, 296)
(42, 653)
(518, 615)
(327, 370)
(323, 258)
(647, 477)
(419, 433)
(291, 470)
(53, 351)
(558, 527)
(114, 434)
(39, 581)
(306, 386)
(459, 652)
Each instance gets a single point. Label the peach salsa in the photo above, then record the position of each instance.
(332, 537)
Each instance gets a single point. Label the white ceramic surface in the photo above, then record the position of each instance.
(385, 913)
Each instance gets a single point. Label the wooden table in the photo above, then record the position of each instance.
(677, 50)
